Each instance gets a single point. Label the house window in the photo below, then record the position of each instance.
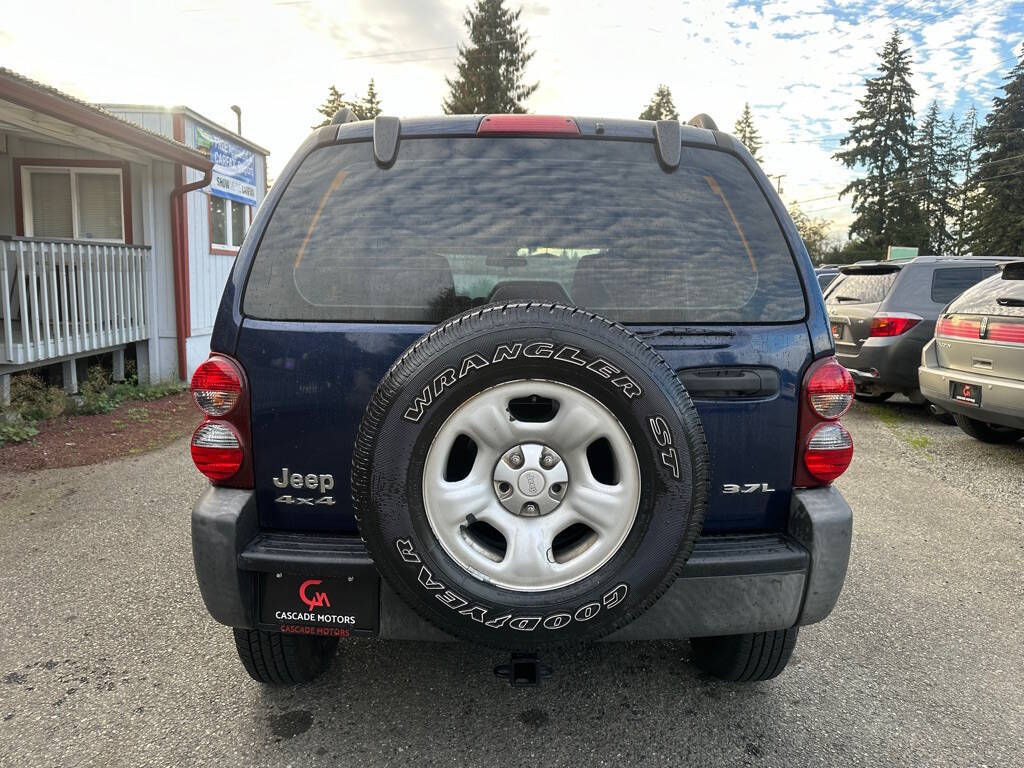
(228, 221)
(75, 203)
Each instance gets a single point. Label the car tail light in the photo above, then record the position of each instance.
(828, 452)
(221, 444)
(1008, 333)
(893, 323)
(830, 390)
(824, 447)
(520, 124)
(216, 450)
(955, 327)
(216, 386)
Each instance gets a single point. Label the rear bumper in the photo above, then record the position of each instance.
(888, 363)
(1002, 400)
(730, 585)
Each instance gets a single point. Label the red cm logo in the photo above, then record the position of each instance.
(318, 600)
(967, 391)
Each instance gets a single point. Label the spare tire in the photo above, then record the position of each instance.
(529, 476)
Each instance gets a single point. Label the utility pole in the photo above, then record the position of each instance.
(778, 182)
(238, 114)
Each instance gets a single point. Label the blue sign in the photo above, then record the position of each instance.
(234, 167)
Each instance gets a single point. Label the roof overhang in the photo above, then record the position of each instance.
(37, 98)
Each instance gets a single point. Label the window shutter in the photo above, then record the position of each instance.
(99, 206)
(51, 204)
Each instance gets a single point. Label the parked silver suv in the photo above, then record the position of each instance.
(974, 367)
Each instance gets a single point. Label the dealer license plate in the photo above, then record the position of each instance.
(965, 393)
(337, 606)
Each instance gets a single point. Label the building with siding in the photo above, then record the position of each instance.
(118, 228)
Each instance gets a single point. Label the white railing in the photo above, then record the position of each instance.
(64, 297)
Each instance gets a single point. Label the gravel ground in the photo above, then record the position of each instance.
(107, 657)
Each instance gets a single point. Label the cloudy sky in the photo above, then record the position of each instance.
(801, 65)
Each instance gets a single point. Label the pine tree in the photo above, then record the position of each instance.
(490, 68)
(933, 178)
(745, 131)
(963, 200)
(999, 230)
(881, 142)
(371, 102)
(363, 107)
(661, 106)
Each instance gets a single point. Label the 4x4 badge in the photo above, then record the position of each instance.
(983, 328)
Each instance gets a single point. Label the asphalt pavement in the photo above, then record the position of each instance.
(107, 657)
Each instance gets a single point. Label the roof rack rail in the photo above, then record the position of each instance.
(344, 115)
(702, 120)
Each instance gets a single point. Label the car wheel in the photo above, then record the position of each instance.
(745, 658)
(274, 658)
(988, 433)
(529, 476)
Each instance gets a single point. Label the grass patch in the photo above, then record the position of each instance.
(920, 442)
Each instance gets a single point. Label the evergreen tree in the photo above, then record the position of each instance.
(999, 228)
(881, 142)
(661, 106)
(490, 68)
(745, 131)
(371, 102)
(963, 200)
(363, 107)
(933, 174)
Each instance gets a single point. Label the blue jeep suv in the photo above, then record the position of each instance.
(524, 381)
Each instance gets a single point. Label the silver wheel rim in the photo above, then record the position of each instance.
(572, 530)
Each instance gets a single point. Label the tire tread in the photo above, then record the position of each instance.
(752, 657)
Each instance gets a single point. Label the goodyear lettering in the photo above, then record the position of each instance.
(482, 614)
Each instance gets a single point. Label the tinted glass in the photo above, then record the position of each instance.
(457, 223)
(862, 288)
(950, 282)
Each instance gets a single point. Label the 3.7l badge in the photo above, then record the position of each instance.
(311, 482)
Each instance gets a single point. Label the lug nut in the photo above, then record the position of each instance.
(515, 459)
(530, 509)
(547, 461)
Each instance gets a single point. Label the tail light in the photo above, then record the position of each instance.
(956, 327)
(824, 447)
(893, 323)
(216, 450)
(829, 452)
(221, 444)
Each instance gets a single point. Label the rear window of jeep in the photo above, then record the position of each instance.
(459, 222)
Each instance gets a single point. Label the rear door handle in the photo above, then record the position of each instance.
(722, 383)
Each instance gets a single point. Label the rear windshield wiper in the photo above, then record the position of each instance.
(1010, 301)
(684, 331)
(846, 298)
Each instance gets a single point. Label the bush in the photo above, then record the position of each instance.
(97, 396)
(16, 433)
(34, 400)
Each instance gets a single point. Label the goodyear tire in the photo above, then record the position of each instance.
(529, 476)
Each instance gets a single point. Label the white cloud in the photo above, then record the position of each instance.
(801, 68)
